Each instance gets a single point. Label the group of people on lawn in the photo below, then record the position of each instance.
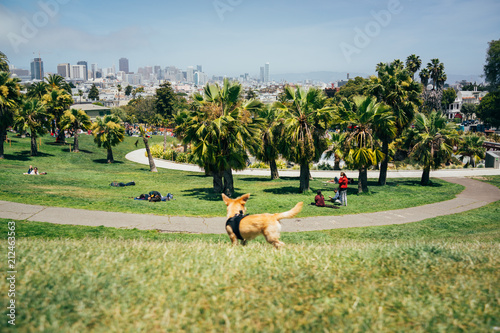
(340, 194)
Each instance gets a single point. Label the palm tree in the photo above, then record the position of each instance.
(37, 90)
(152, 166)
(424, 77)
(306, 121)
(365, 116)
(57, 81)
(33, 117)
(80, 93)
(108, 132)
(430, 142)
(119, 92)
(436, 70)
(220, 129)
(76, 120)
(336, 148)
(267, 150)
(394, 87)
(57, 101)
(471, 149)
(413, 64)
(4, 62)
(9, 99)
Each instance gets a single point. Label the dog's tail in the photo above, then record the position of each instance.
(291, 213)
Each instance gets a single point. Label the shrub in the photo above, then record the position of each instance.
(325, 166)
(182, 158)
(259, 165)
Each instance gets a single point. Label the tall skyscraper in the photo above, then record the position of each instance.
(123, 65)
(93, 71)
(199, 68)
(190, 74)
(266, 73)
(86, 70)
(63, 70)
(37, 69)
(262, 74)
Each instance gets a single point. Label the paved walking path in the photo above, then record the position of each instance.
(476, 194)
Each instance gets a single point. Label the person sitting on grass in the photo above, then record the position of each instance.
(336, 197)
(319, 201)
(334, 180)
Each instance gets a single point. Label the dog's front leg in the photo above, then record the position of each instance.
(232, 236)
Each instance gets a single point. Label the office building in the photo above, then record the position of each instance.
(63, 70)
(37, 69)
(78, 72)
(123, 65)
(262, 74)
(85, 71)
(266, 73)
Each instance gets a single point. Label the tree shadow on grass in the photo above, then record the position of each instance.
(27, 154)
(16, 157)
(283, 190)
(203, 193)
(66, 150)
(105, 161)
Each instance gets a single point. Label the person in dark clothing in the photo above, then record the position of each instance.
(319, 201)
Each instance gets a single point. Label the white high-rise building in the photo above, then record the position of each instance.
(77, 72)
(190, 74)
(266, 73)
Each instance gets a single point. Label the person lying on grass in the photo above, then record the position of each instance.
(155, 196)
(34, 172)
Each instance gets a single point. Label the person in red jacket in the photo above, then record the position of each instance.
(343, 188)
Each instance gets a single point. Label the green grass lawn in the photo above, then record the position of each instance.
(81, 180)
(437, 275)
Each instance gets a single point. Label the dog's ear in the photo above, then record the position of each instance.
(226, 199)
(245, 197)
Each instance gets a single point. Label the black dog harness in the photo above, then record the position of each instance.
(234, 222)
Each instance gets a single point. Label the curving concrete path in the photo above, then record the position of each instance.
(475, 195)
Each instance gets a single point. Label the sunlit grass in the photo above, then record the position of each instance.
(81, 180)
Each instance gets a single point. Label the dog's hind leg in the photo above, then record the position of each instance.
(231, 234)
(244, 242)
(272, 237)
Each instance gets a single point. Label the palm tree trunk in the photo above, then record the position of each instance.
(228, 182)
(152, 166)
(110, 156)
(363, 181)
(336, 164)
(3, 136)
(61, 138)
(76, 148)
(382, 178)
(34, 148)
(304, 177)
(274, 170)
(217, 181)
(165, 140)
(424, 181)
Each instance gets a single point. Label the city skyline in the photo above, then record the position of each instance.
(236, 37)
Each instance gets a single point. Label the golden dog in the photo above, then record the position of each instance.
(253, 225)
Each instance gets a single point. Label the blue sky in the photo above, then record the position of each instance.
(232, 37)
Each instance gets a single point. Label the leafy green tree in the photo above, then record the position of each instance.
(108, 132)
(430, 140)
(76, 120)
(365, 117)
(165, 100)
(492, 66)
(358, 86)
(413, 63)
(471, 148)
(152, 166)
(270, 134)
(128, 90)
(449, 96)
(468, 109)
(336, 148)
(488, 109)
(251, 94)
(220, 129)
(93, 93)
(10, 98)
(32, 116)
(306, 121)
(395, 87)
